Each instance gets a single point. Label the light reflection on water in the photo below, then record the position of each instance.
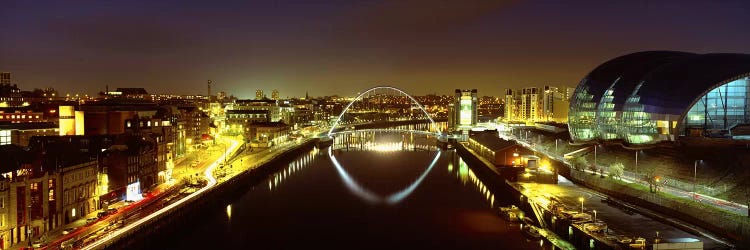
(466, 175)
(371, 197)
(292, 168)
(315, 207)
(229, 212)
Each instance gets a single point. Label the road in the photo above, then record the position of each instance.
(629, 177)
(244, 161)
(208, 174)
(621, 220)
(86, 229)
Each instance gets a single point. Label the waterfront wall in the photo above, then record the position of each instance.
(734, 227)
(215, 198)
(493, 179)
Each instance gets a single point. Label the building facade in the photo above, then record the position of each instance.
(661, 96)
(464, 109)
(79, 190)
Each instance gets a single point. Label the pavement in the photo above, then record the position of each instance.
(247, 160)
(250, 159)
(620, 221)
(54, 237)
(729, 206)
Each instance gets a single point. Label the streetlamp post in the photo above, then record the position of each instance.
(695, 177)
(581, 200)
(225, 151)
(636, 162)
(28, 225)
(556, 145)
(595, 146)
(594, 216)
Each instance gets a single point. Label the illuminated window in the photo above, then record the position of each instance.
(5, 137)
(721, 108)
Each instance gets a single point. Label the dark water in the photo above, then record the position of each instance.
(415, 197)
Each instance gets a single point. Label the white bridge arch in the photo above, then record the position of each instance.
(338, 120)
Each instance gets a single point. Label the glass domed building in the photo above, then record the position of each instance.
(654, 96)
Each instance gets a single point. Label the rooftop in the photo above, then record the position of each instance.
(27, 125)
(491, 141)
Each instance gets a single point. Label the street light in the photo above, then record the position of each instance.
(556, 145)
(636, 162)
(594, 216)
(695, 175)
(595, 146)
(28, 225)
(581, 200)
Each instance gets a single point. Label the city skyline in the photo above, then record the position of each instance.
(341, 48)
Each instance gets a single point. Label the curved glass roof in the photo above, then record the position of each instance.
(653, 83)
(630, 69)
(672, 88)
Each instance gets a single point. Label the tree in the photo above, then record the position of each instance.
(593, 169)
(616, 170)
(580, 163)
(653, 180)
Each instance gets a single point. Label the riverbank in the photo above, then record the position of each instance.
(494, 181)
(174, 219)
(624, 223)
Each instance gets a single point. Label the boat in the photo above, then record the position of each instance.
(510, 213)
(595, 227)
(531, 232)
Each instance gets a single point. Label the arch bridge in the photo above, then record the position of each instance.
(372, 91)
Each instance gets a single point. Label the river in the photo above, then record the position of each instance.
(369, 190)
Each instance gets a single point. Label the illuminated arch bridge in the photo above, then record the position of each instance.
(377, 104)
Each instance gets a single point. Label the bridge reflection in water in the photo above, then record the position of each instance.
(382, 141)
(389, 190)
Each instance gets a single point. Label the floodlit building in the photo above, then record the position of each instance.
(5, 78)
(511, 105)
(496, 150)
(464, 111)
(548, 104)
(20, 133)
(530, 102)
(656, 96)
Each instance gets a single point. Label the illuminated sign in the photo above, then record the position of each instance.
(134, 192)
(465, 115)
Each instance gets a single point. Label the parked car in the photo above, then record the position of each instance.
(68, 230)
(38, 243)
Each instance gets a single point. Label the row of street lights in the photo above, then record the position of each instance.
(581, 200)
(695, 169)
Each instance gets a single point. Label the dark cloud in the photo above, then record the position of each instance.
(122, 34)
(415, 18)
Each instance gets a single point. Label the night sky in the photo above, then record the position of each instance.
(343, 47)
